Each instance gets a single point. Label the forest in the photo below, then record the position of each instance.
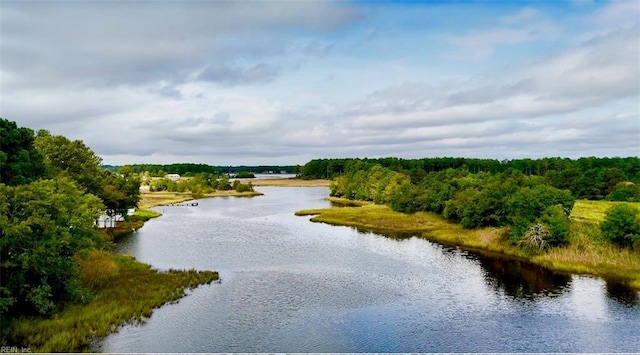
(534, 203)
(587, 178)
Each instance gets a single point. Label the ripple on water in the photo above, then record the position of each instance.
(289, 285)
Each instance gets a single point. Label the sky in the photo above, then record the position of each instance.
(284, 82)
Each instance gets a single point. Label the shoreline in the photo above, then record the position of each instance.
(287, 182)
(124, 290)
(582, 256)
(154, 199)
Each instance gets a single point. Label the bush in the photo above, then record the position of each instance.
(557, 221)
(621, 225)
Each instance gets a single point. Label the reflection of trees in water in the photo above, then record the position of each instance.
(520, 279)
(622, 293)
(386, 233)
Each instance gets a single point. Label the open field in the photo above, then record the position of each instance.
(286, 182)
(126, 291)
(593, 211)
(587, 253)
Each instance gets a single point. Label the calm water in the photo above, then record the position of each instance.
(289, 285)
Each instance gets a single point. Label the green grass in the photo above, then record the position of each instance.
(594, 211)
(126, 291)
(587, 253)
(145, 215)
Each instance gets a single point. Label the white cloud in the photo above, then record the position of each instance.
(246, 83)
(526, 25)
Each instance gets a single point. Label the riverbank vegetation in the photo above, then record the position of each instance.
(528, 214)
(121, 289)
(153, 199)
(587, 251)
(590, 178)
(59, 283)
(199, 185)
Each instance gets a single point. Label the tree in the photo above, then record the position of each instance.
(119, 192)
(625, 191)
(74, 159)
(621, 225)
(20, 162)
(557, 222)
(43, 225)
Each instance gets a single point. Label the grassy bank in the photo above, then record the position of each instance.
(125, 291)
(587, 252)
(152, 199)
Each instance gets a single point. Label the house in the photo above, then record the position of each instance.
(106, 221)
(173, 177)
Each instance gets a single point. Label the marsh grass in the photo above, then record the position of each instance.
(125, 291)
(587, 253)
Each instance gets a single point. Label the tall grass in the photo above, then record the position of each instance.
(125, 291)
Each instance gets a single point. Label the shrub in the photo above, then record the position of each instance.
(621, 225)
(536, 237)
(555, 218)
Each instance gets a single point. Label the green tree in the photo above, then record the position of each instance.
(625, 191)
(20, 162)
(73, 159)
(557, 222)
(43, 225)
(119, 192)
(621, 225)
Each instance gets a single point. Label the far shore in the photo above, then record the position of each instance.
(153, 199)
(287, 182)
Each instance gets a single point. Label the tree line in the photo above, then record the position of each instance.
(200, 184)
(535, 211)
(191, 169)
(616, 179)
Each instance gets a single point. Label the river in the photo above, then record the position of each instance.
(290, 285)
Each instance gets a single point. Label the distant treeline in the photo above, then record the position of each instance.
(586, 178)
(190, 169)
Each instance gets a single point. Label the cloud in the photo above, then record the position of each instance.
(53, 44)
(281, 83)
(259, 73)
(526, 25)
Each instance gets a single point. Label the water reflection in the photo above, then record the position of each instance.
(518, 278)
(622, 292)
(521, 279)
(387, 233)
